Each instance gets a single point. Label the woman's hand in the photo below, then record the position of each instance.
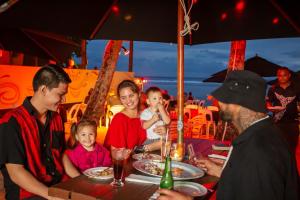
(160, 129)
(166, 194)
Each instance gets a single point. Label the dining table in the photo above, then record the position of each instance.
(85, 188)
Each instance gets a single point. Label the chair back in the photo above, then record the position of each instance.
(111, 112)
(213, 108)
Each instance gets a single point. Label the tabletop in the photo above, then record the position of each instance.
(84, 188)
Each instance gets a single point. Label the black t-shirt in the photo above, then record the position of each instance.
(260, 167)
(288, 98)
(14, 149)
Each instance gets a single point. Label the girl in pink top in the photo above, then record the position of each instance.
(84, 152)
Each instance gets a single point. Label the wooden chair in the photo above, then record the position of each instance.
(173, 130)
(76, 112)
(111, 111)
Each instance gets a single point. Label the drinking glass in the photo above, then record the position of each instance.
(119, 157)
(165, 146)
(177, 152)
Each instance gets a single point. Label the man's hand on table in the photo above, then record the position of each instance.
(166, 194)
(210, 167)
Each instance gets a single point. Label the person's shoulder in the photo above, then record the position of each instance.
(119, 115)
(268, 141)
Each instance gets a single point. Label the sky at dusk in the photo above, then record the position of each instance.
(160, 59)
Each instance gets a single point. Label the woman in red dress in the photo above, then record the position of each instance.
(125, 129)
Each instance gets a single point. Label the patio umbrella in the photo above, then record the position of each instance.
(156, 20)
(36, 43)
(255, 64)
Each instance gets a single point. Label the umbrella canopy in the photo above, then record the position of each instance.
(37, 43)
(156, 20)
(255, 64)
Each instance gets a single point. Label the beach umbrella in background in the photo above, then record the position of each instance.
(36, 43)
(255, 64)
(156, 20)
(216, 78)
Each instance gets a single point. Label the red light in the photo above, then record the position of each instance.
(195, 1)
(240, 6)
(223, 16)
(275, 20)
(115, 9)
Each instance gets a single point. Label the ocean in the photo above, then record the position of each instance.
(198, 88)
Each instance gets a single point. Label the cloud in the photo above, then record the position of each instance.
(157, 59)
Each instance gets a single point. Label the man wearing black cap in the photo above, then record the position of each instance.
(259, 164)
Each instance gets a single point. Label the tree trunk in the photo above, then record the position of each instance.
(237, 55)
(96, 104)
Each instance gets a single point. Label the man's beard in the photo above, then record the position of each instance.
(225, 116)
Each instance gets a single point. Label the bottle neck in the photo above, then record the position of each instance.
(168, 165)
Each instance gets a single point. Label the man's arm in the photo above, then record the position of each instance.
(270, 97)
(69, 167)
(20, 176)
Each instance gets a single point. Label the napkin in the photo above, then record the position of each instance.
(142, 179)
(217, 156)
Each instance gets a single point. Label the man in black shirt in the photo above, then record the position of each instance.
(259, 164)
(32, 139)
(282, 101)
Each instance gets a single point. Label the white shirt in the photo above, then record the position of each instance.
(147, 115)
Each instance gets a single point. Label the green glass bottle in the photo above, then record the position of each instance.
(167, 178)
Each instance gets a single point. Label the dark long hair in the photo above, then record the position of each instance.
(72, 142)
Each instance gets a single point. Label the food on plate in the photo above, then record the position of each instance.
(157, 170)
(147, 156)
(153, 169)
(176, 171)
(105, 172)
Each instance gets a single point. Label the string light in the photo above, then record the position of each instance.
(275, 20)
(240, 6)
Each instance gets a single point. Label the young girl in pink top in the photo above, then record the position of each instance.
(84, 152)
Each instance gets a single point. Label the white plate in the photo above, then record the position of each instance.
(189, 171)
(93, 173)
(146, 156)
(190, 188)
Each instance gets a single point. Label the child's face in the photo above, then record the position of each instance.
(86, 136)
(154, 98)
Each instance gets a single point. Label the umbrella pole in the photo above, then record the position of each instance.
(180, 81)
